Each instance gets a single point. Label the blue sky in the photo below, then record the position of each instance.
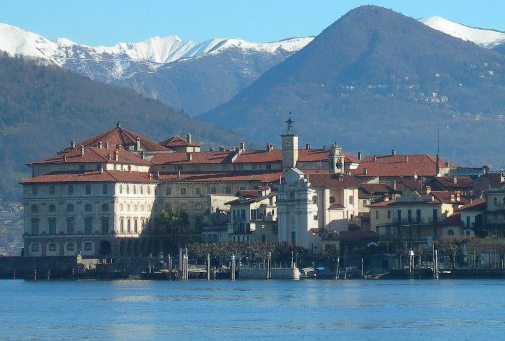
(105, 22)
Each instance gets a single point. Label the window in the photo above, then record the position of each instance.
(52, 247)
(389, 214)
(227, 190)
(105, 189)
(468, 221)
(34, 190)
(88, 246)
(314, 199)
(35, 226)
(88, 189)
(269, 166)
(467, 233)
(51, 222)
(409, 216)
(450, 232)
(70, 226)
(183, 191)
(105, 225)
(135, 226)
(254, 214)
(105, 208)
(35, 209)
(70, 189)
(128, 226)
(213, 190)
(121, 225)
(88, 208)
(35, 247)
(127, 189)
(88, 225)
(198, 206)
(70, 208)
(315, 217)
(52, 208)
(134, 189)
(141, 189)
(71, 247)
(351, 199)
(168, 190)
(418, 215)
(120, 189)
(81, 167)
(148, 190)
(376, 214)
(52, 190)
(198, 191)
(332, 200)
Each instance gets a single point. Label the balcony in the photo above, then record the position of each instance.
(414, 221)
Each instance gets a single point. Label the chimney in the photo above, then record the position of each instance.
(137, 145)
(106, 145)
(393, 152)
(157, 174)
(455, 179)
(72, 144)
(221, 148)
(242, 146)
(458, 196)
(406, 158)
(375, 157)
(188, 138)
(101, 169)
(109, 156)
(428, 189)
(365, 170)
(82, 150)
(394, 185)
(359, 155)
(118, 124)
(100, 144)
(150, 176)
(452, 197)
(308, 146)
(64, 158)
(142, 156)
(116, 155)
(189, 157)
(211, 149)
(179, 174)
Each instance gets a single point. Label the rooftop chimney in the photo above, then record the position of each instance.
(406, 158)
(82, 150)
(359, 155)
(64, 158)
(455, 179)
(106, 145)
(137, 144)
(101, 169)
(72, 144)
(188, 138)
(308, 146)
(365, 170)
(118, 124)
(189, 157)
(242, 146)
(116, 155)
(100, 144)
(142, 155)
(179, 174)
(428, 189)
(221, 148)
(393, 152)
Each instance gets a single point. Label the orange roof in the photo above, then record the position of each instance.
(259, 156)
(121, 137)
(474, 205)
(332, 181)
(92, 176)
(383, 203)
(95, 155)
(263, 177)
(214, 157)
(177, 141)
(398, 165)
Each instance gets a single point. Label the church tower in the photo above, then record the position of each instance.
(336, 160)
(289, 146)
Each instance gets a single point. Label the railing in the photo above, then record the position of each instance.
(411, 221)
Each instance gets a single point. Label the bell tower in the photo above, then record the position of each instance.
(289, 146)
(336, 159)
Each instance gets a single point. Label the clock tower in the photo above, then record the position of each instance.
(289, 146)
(336, 159)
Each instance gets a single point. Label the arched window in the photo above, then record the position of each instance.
(70, 247)
(52, 247)
(52, 208)
(314, 199)
(121, 225)
(128, 226)
(35, 247)
(105, 207)
(495, 201)
(35, 226)
(135, 226)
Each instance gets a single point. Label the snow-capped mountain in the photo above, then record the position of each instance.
(482, 37)
(194, 76)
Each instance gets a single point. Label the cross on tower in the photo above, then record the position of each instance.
(290, 122)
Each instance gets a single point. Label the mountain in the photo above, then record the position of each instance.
(376, 80)
(43, 108)
(482, 37)
(167, 68)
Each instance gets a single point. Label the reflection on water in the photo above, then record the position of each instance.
(157, 310)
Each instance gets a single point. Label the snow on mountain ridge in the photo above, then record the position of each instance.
(158, 50)
(483, 37)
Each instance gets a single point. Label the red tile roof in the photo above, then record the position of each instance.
(398, 165)
(454, 182)
(332, 181)
(120, 136)
(380, 188)
(95, 155)
(446, 197)
(177, 141)
(383, 203)
(93, 176)
(214, 157)
(474, 205)
(262, 177)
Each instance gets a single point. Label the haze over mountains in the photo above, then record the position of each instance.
(377, 80)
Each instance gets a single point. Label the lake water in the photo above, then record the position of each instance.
(216, 310)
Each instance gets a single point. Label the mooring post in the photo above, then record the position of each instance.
(208, 266)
